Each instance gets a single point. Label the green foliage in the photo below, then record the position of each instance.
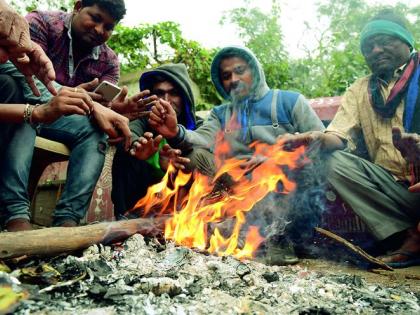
(327, 70)
(23, 6)
(337, 61)
(262, 34)
(149, 45)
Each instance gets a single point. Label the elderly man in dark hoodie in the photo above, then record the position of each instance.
(148, 159)
(252, 112)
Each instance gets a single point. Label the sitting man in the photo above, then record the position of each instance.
(18, 139)
(147, 161)
(76, 45)
(253, 112)
(381, 191)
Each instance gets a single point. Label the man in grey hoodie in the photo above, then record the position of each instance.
(260, 113)
(252, 112)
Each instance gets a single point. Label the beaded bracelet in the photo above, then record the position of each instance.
(27, 113)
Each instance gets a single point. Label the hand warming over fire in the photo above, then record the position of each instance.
(163, 119)
(144, 147)
(169, 155)
(293, 141)
(253, 163)
(407, 143)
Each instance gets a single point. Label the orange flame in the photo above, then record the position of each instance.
(191, 214)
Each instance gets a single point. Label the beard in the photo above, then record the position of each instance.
(239, 92)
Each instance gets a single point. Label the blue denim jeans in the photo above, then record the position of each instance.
(88, 147)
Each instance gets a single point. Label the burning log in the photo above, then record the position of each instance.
(57, 240)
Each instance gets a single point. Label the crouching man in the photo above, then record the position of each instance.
(147, 161)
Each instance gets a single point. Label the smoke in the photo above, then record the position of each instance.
(293, 216)
(307, 203)
(238, 91)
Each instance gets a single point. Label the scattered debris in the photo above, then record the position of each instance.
(153, 278)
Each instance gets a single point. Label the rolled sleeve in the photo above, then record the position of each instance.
(346, 122)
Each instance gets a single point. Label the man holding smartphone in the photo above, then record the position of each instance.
(75, 43)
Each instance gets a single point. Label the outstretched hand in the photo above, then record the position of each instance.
(39, 65)
(27, 56)
(145, 146)
(169, 155)
(135, 106)
(293, 141)
(163, 119)
(407, 143)
(14, 34)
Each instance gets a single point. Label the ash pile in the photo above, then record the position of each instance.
(142, 276)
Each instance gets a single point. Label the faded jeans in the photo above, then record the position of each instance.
(88, 147)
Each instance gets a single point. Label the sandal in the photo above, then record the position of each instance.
(413, 259)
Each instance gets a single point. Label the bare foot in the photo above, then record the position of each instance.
(409, 250)
(17, 225)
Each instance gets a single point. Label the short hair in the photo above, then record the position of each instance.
(115, 8)
(390, 15)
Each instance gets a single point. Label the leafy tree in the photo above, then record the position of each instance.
(262, 34)
(150, 45)
(23, 6)
(337, 61)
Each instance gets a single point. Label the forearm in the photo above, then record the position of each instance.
(329, 141)
(12, 113)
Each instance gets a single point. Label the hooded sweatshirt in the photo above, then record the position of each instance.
(263, 115)
(178, 75)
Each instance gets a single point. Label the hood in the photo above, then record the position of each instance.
(259, 87)
(177, 74)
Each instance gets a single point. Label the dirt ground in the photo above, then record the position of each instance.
(407, 277)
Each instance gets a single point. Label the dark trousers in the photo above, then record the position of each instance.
(10, 93)
(385, 205)
(130, 179)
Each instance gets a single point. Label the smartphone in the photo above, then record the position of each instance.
(108, 90)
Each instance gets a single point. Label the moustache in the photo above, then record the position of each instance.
(237, 87)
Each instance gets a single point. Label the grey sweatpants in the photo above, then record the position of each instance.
(385, 205)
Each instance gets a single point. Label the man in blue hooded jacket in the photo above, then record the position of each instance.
(260, 113)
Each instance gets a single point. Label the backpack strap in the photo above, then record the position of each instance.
(274, 120)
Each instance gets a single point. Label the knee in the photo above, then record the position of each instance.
(202, 160)
(338, 163)
(85, 128)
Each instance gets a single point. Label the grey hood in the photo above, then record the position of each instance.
(259, 86)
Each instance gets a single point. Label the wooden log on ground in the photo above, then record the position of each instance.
(58, 240)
